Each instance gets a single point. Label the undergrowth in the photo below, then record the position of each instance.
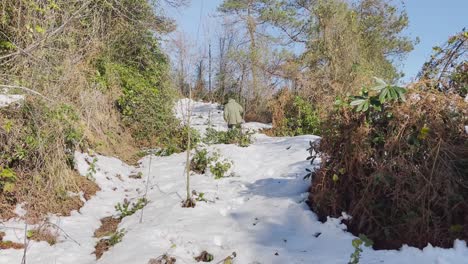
(108, 91)
(396, 161)
(232, 136)
(293, 115)
(203, 160)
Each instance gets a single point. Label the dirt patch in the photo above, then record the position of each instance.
(108, 226)
(164, 259)
(107, 229)
(204, 257)
(102, 246)
(60, 203)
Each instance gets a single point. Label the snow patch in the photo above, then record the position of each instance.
(8, 99)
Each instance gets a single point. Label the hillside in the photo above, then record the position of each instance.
(259, 212)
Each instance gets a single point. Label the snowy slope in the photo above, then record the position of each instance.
(259, 213)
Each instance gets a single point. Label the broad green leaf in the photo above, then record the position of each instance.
(365, 106)
(359, 108)
(383, 96)
(357, 102)
(380, 81)
(378, 87)
(393, 94)
(401, 92)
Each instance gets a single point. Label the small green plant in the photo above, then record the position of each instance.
(200, 161)
(127, 208)
(7, 180)
(199, 196)
(220, 168)
(357, 243)
(92, 170)
(116, 237)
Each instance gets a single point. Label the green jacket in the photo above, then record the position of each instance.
(233, 112)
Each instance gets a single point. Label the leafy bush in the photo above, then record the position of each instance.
(200, 161)
(115, 97)
(126, 208)
(232, 136)
(399, 168)
(293, 115)
(177, 141)
(145, 104)
(220, 168)
(37, 143)
(203, 160)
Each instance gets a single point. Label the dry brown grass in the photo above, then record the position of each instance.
(44, 233)
(108, 226)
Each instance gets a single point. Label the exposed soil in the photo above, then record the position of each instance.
(108, 226)
(102, 246)
(164, 259)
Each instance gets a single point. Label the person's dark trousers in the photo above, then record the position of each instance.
(232, 126)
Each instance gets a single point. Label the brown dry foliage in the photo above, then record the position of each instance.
(404, 178)
(44, 233)
(164, 259)
(108, 226)
(55, 53)
(41, 155)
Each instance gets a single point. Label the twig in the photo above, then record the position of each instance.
(26, 243)
(57, 30)
(147, 185)
(65, 233)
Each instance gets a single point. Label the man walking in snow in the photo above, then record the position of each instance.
(233, 114)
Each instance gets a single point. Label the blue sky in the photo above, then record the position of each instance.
(433, 21)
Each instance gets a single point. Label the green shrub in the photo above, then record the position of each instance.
(177, 141)
(200, 161)
(145, 103)
(220, 168)
(293, 116)
(232, 136)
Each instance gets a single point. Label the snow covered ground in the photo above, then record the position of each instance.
(7, 99)
(259, 213)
